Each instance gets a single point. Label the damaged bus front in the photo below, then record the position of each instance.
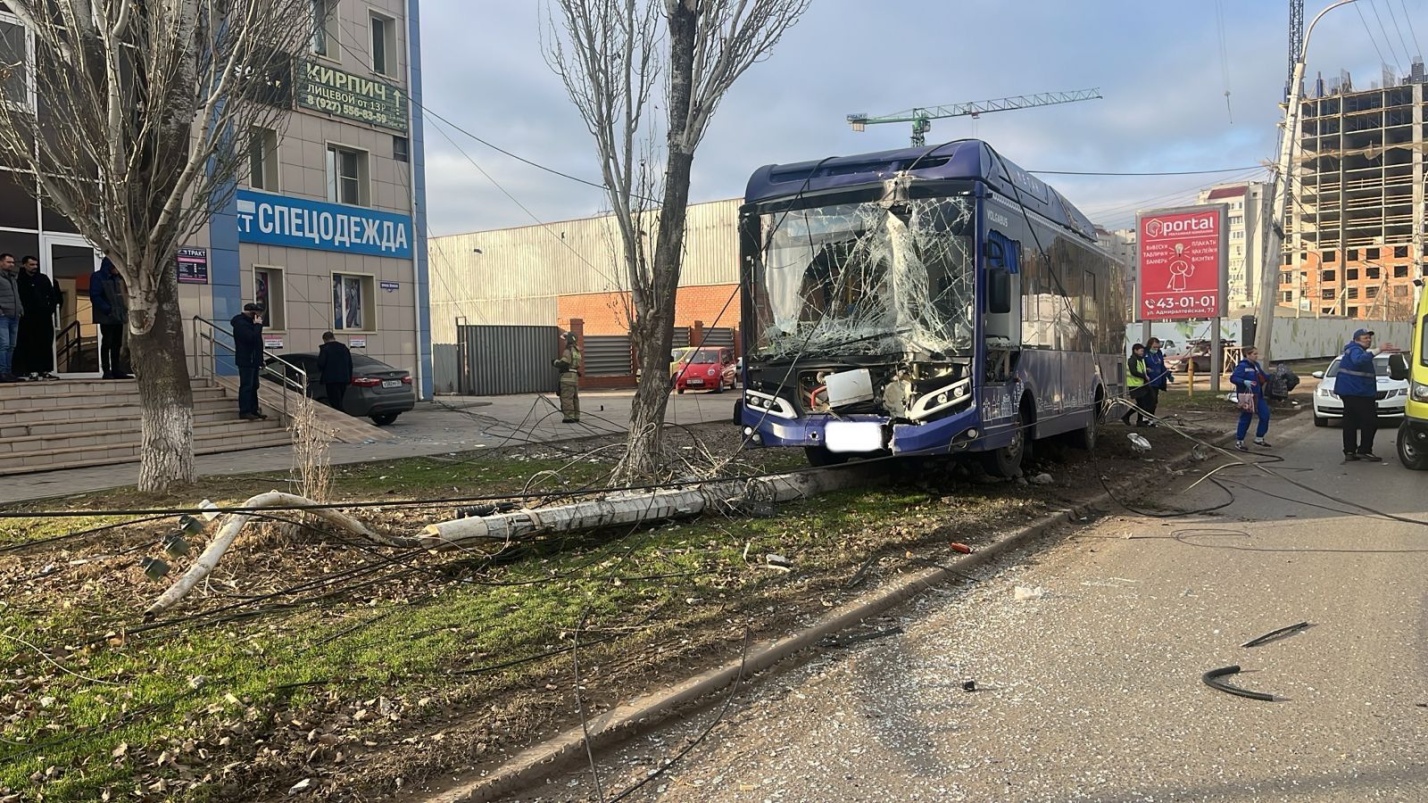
(920, 302)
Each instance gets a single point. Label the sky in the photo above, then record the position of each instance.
(1163, 68)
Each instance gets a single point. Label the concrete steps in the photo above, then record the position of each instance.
(46, 426)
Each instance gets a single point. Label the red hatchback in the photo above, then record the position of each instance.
(706, 369)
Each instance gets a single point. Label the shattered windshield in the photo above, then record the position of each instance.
(866, 278)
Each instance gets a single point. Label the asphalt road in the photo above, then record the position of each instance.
(1090, 689)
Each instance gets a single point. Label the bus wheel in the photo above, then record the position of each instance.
(1085, 437)
(1412, 455)
(820, 456)
(1006, 461)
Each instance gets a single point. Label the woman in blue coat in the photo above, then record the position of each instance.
(1250, 378)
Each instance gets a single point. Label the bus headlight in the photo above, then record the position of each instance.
(1420, 392)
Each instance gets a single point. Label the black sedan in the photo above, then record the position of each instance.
(378, 390)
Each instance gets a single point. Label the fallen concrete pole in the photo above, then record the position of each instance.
(640, 508)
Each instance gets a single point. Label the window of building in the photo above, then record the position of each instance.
(325, 28)
(1400, 271)
(1327, 295)
(1370, 253)
(1400, 290)
(1326, 276)
(1286, 277)
(384, 45)
(1371, 272)
(1289, 259)
(1400, 251)
(1353, 254)
(353, 307)
(1353, 312)
(1328, 256)
(401, 148)
(1286, 296)
(263, 159)
(1371, 292)
(1326, 310)
(1353, 292)
(15, 49)
(346, 176)
(1351, 274)
(1237, 220)
(269, 290)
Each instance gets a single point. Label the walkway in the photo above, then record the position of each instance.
(448, 425)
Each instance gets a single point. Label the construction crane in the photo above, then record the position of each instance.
(921, 118)
(1296, 39)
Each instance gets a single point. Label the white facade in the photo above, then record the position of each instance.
(1249, 210)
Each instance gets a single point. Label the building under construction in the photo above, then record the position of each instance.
(1356, 238)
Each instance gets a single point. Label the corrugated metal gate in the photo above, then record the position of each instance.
(681, 337)
(719, 337)
(501, 360)
(607, 355)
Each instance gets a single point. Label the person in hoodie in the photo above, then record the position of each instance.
(111, 312)
(248, 353)
(1357, 387)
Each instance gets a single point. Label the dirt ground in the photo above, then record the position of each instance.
(360, 726)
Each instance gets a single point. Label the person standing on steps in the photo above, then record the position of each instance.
(248, 353)
(1136, 386)
(1250, 380)
(35, 348)
(1157, 377)
(334, 366)
(10, 311)
(106, 300)
(569, 365)
(1357, 386)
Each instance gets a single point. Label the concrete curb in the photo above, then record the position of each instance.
(530, 765)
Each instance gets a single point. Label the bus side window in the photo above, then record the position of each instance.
(999, 300)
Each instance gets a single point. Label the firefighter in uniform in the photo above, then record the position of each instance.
(569, 365)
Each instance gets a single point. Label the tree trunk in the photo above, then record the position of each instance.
(164, 394)
(654, 328)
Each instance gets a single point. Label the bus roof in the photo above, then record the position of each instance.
(963, 159)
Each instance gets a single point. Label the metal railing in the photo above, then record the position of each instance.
(70, 339)
(207, 347)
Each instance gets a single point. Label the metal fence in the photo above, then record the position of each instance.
(501, 360)
(719, 336)
(608, 355)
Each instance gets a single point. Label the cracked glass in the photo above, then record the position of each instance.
(867, 279)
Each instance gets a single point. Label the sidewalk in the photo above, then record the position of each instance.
(449, 424)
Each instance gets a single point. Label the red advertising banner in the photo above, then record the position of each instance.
(1183, 261)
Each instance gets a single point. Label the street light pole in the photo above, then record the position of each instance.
(1274, 243)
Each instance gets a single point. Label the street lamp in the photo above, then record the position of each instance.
(1274, 243)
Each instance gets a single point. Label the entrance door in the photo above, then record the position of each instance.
(68, 260)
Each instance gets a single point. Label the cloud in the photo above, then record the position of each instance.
(1163, 68)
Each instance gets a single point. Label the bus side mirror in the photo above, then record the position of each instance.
(999, 298)
(1398, 367)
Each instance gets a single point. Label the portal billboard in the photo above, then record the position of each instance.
(1184, 263)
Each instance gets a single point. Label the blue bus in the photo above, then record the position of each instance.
(924, 301)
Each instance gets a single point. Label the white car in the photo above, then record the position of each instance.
(1392, 393)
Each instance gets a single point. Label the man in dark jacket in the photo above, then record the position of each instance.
(35, 347)
(1357, 386)
(248, 353)
(334, 366)
(106, 299)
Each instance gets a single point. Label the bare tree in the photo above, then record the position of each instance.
(142, 117)
(611, 54)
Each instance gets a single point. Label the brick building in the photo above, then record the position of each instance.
(1356, 230)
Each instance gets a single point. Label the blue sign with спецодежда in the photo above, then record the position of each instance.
(267, 219)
